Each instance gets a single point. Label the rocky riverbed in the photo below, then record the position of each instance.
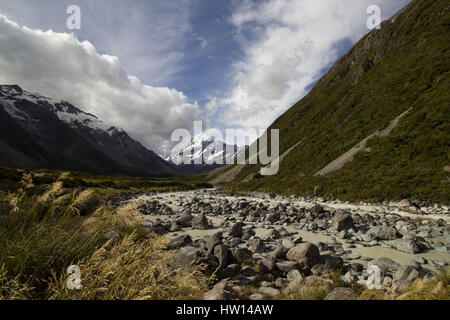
(279, 243)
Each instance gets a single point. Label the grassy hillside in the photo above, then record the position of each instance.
(404, 65)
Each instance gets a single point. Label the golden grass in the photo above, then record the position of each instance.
(41, 234)
(133, 271)
(437, 288)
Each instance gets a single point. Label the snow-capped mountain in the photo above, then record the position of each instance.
(201, 154)
(42, 132)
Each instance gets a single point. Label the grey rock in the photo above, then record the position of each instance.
(269, 291)
(342, 221)
(273, 217)
(287, 266)
(221, 291)
(179, 242)
(306, 254)
(383, 233)
(256, 296)
(188, 255)
(405, 276)
(341, 293)
(287, 243)
(212, 241)
(405, 245)
(236, 230)
(221, 253)
(256, 245)
(386, 265)
(241, 254)
(200, 222)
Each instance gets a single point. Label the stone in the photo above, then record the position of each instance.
(212, 241)
(160, 227)
(221, 291)
(341, 293)
(287, 266)
(331, 262)
(184, 220)
(241, 255)
(405, 245)
(342, 221)
(200, 222)
(287, 243)
(387, 282)
(256, 296)
(188, 255)
(180, 241)
(221, 253)
(273, 217)
(269, 291)
(383, 233)
(444, 249)
(279, 253)
(306, 254)
(268, 263)
(386, 265)
(236, 230)
(256, 245)
(317, 209)
(405, 276)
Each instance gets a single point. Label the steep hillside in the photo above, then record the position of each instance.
(402, 67)
(38, 132)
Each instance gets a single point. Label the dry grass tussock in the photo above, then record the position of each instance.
(133, 270)
(45, 230)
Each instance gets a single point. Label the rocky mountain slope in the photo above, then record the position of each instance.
(39, 132)
(203, 149)
(377, 124)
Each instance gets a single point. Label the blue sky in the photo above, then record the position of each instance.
(233, 64)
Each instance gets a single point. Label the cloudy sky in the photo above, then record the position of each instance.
(152, 66)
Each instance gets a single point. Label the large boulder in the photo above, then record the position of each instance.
(241, 255)
(405, 276)
(179, 242)
(407, 245)
(184, 220)
(342, 221)
(306, 254)
(188, 255)
(212, 241)
(236, 230)
(279, 253)
(386, 265)
(383, 233)
(221, 253)
(200, 222)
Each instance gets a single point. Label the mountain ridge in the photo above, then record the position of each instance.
(58, 135)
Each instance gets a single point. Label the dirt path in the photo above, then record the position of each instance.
(349, 155)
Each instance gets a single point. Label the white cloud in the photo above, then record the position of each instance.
(59, 66)
(287, 43)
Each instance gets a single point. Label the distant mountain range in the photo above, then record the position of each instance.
(202, 148)
(39, 132)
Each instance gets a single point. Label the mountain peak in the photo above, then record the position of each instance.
(65, 137)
